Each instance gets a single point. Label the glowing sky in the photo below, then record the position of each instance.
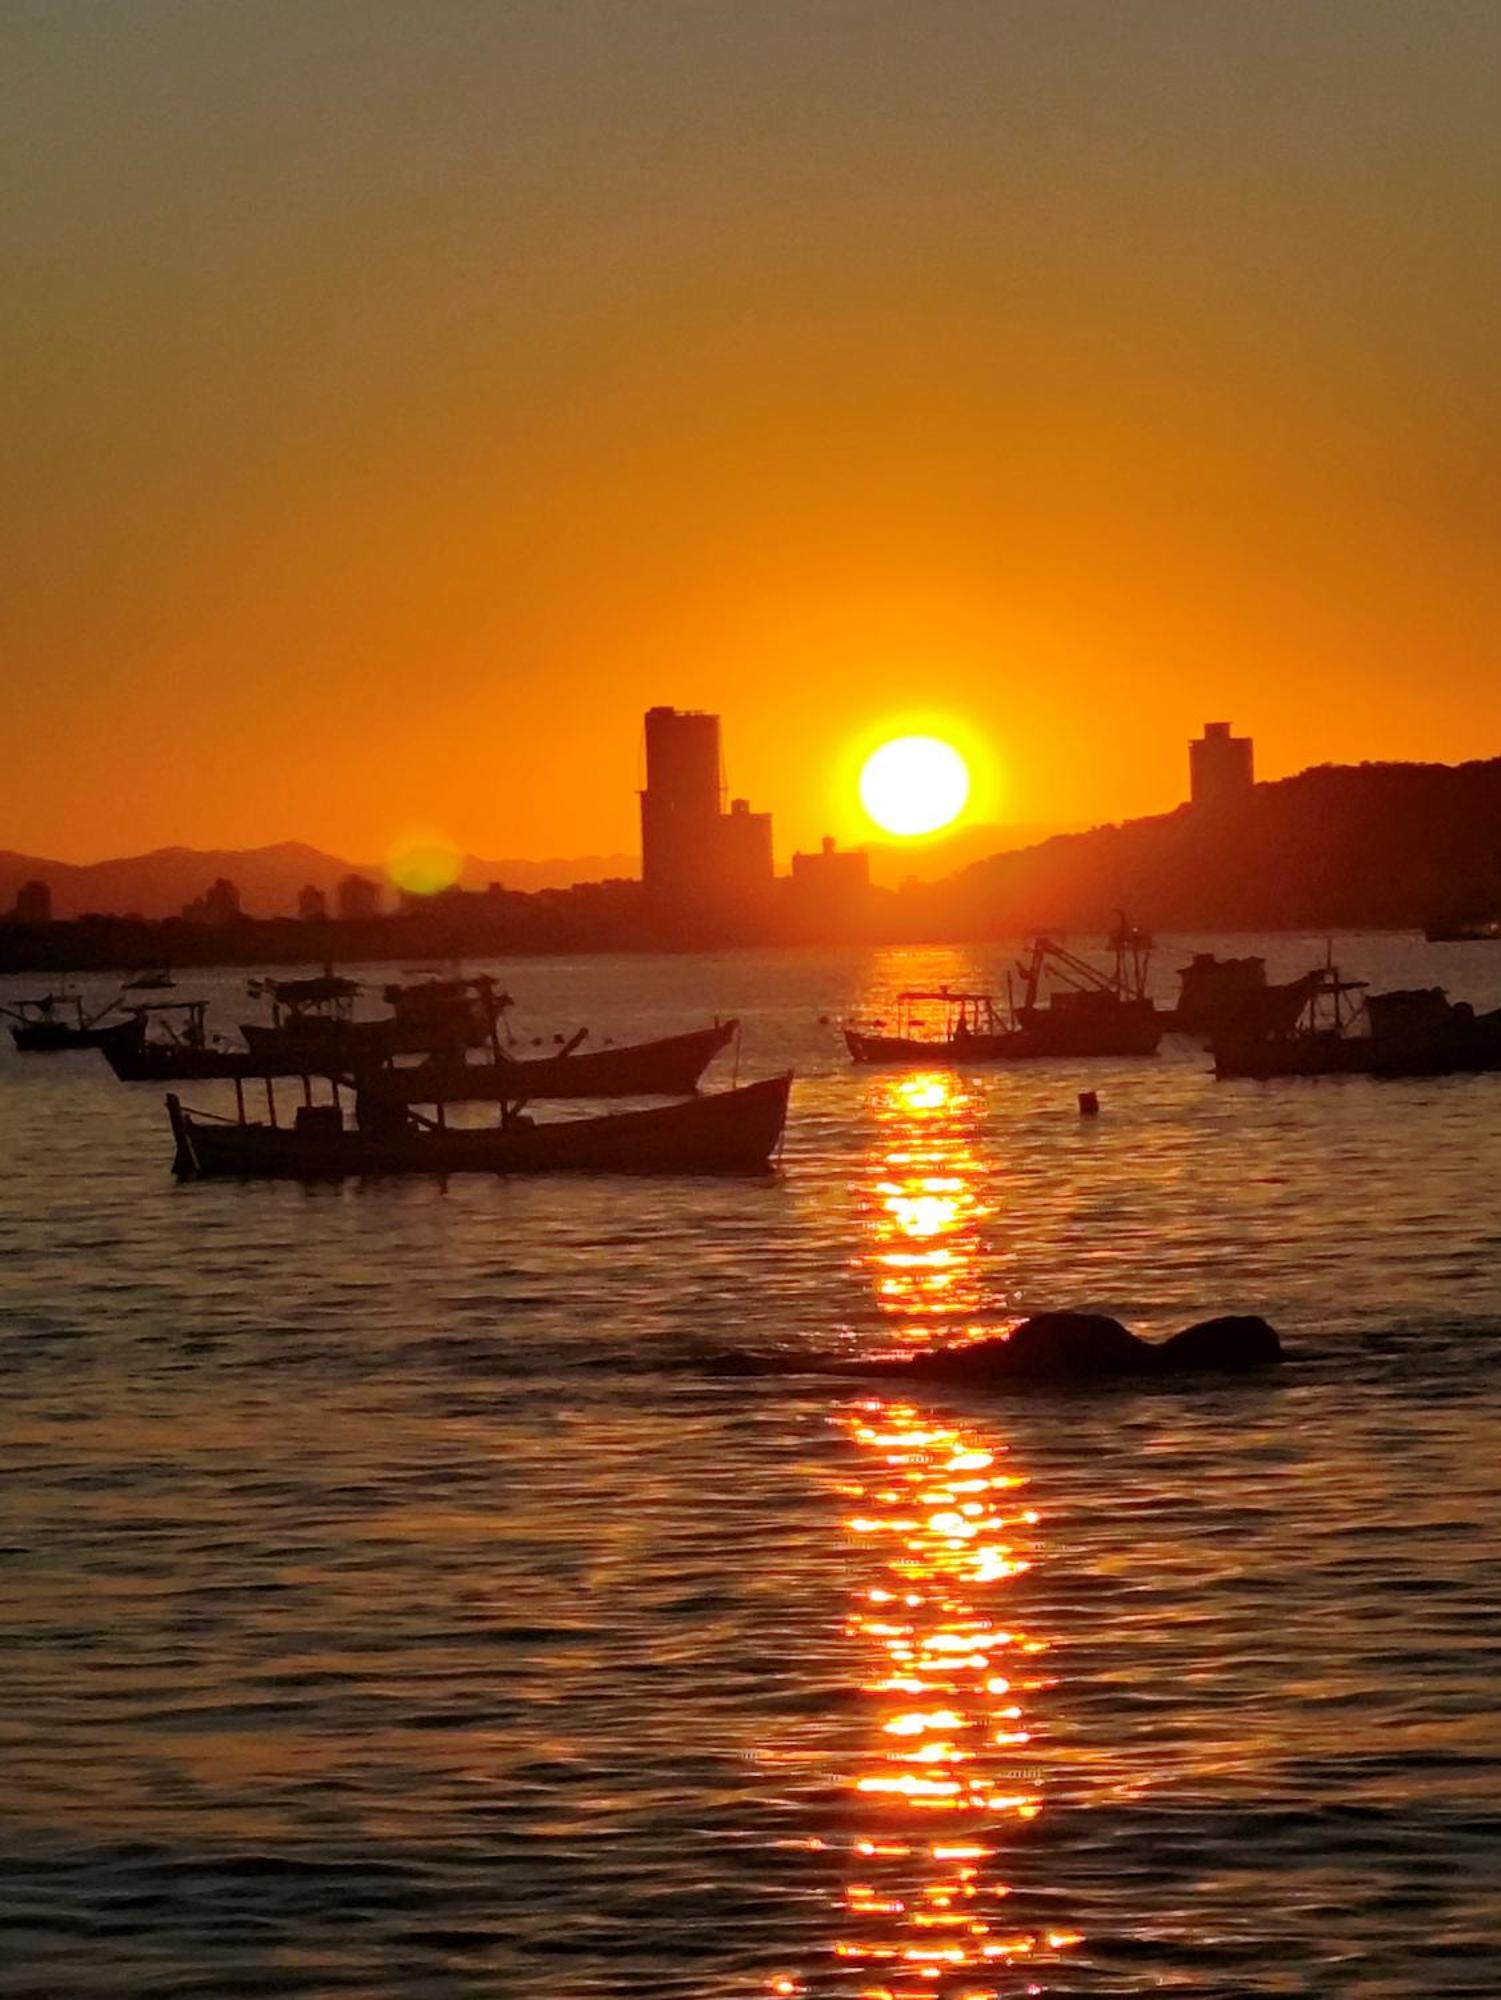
(401, 398)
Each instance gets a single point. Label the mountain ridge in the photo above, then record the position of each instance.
(158, 882)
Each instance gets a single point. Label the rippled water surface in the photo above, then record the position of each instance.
(394, 1607)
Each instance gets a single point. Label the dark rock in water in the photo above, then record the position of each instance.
(1061, 1348)
(1232, 1344)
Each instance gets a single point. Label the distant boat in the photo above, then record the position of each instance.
(1087, 1013)
(731, 1132)
(1486, 932)
(150, 982)
(54, 1022)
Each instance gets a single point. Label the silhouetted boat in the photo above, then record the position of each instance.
(1087, 1013)
(1419, 1032)
(1461, 932)
(54, 1022)
(669, 1067)
(150, 982)
(313, 1025)
(180, 1051)
(730, 1132)
(1232, 997)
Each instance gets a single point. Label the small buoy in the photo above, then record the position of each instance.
(1089, 1104)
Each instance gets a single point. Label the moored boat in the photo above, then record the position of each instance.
(671, 1066)
(313, 1022)
(54, 1022)
(1233, 997)
(1463, 930)
(1086, 1012)
(1419, 1032)
(729, 1132)
(179, 1051)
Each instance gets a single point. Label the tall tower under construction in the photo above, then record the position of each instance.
(694, 854)
(681, 805)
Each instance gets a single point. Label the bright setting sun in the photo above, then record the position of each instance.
(914, 785)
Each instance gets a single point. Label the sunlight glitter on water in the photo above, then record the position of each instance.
(392, 1604)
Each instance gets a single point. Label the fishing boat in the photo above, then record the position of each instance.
(729, 1132)
(942, 1024)
(1345, 1031)
(1233, 997)
(54, 1022)
(167, 1041)
(181, 1051)
(1086, 1012)
(671, 1066)
(1464, 931)
(1089, 1012)
(313, 1022)
(159, 981)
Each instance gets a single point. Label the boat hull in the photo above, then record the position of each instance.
(134, 1059)
(730, 1132)
(56, 1037)
(1137, 1032)
(1358, 1055)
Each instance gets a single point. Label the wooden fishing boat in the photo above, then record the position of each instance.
(1232, 997)
(179, 1051)
(183, 1052)
(1087, 1012)
(313, 1025)
(968, 1028)
(54, 1022)
(1400, 1034)
(730, 1132)
(671, 1066)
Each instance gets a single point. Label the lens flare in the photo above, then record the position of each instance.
(422, 861)
(914, 785)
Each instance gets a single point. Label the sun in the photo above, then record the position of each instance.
(914, 784)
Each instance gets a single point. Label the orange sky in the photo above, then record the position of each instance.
(401, 399)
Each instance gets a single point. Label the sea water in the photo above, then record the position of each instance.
(393, 1604)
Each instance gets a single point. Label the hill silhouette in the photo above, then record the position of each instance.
(268, 878)
(1339, 846)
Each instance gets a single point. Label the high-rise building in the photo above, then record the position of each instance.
(1220, 766)
(33, 903)
(680, 807)
(357, 899)
(312, 905)
(695, 855)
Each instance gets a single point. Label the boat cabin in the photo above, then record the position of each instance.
(944, 1016)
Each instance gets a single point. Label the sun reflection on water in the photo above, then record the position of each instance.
(950, 1678)
(940, 1530)
(924, 1204)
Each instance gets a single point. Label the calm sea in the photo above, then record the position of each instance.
(391, 1608)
